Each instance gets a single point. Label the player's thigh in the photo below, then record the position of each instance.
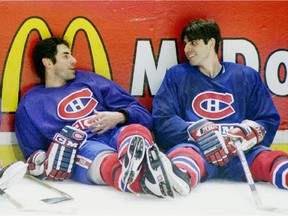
(86, 154)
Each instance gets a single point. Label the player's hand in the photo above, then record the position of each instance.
(248, 132)
(36, 163)
(103, 121)
(57, 164)
(207, 137)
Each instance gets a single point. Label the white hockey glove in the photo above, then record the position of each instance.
(57, 164)
(207, 137)
(248, 132)
(12, 174)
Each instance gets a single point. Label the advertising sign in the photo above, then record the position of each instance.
(135, 42)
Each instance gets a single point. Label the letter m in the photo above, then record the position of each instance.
(146, 68)
(13, 65)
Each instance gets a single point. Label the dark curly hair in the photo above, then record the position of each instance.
(46, 48)
(202, 29)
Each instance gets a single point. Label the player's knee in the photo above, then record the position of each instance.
(134, 129)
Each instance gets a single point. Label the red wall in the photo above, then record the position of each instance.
(127, 38)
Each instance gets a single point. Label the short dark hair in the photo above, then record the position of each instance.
(202, 29)
(46, 48)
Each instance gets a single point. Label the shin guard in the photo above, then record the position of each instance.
(190, 162)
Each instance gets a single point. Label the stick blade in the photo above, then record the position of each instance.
(55, 200)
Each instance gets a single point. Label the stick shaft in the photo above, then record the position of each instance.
(247, 172)
(50, 187)
(11, 199)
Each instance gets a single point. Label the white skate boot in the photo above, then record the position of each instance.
(132, 162)
(162, 177)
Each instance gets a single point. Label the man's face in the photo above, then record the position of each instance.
(197, 52)
(64, 68)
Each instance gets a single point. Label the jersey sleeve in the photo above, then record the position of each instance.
(28, 136)
(261, 108)
(116, 98)
(169, 126)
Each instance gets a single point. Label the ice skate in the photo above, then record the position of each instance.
(162, 177)
(132, 162)
(12, 174)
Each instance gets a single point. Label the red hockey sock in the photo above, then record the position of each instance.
(109, 167)
(271, 166)
(111, 170)
(191, 162)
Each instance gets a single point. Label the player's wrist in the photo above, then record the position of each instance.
(124, 116)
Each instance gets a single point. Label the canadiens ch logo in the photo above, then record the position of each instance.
(77, 105)
(213, 105)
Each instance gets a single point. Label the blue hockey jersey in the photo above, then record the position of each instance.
(187, 95)
(44, 111)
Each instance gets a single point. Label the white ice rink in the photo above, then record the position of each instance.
(214, 197)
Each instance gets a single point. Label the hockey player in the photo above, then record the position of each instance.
(82, 126)
(204, 105)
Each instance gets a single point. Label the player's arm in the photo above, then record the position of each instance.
(116, 99)
(58, 162)
(170, 127)
(129, 108)
(29, 136)
(260, 107)
(101, 122)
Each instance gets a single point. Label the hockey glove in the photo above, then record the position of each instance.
(207, 137)
(57, 164)
(248, 132)
(12, 174)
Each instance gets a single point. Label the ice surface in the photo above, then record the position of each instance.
(213, 197)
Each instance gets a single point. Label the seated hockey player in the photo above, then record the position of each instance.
(82, 126)
(204, 105)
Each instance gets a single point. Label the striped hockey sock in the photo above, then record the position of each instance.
(190, 162)
(189, 166)
(279, 173)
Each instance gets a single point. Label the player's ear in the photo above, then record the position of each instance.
(47, 62)
(212, 42)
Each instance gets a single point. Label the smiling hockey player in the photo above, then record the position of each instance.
(204, 105)
(82, 126)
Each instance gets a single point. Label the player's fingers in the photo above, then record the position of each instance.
(103, 130)
(213, 159)
(52, 174)
(219, 159)
(224, 157)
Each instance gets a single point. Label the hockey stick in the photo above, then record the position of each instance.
(45, 206)
(32, 207)
(13, 174)
(250, 179)
(64, 196)
(11, 199)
